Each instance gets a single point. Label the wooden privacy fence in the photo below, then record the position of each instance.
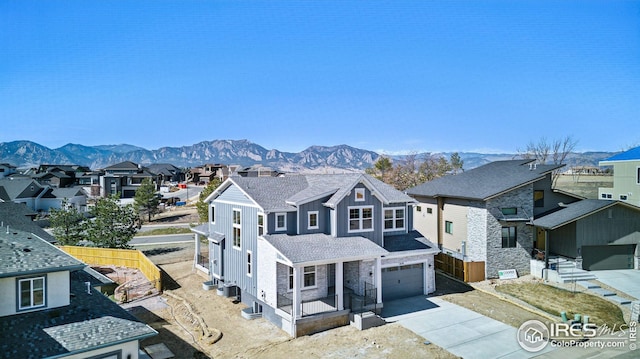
(130, 258)
(465, 271)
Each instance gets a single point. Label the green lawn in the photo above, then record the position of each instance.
(555, 300)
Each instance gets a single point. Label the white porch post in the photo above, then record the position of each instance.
(196, 237)
(340, 285)
(379, 279)
(296, 308)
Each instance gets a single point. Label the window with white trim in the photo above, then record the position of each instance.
(237, 226)
(309, 277)
(31, 293)
(213, 214)
(359, 195)
(312, 220)
(249, 264)
(448, 227)
(281, 221)
(361, 219)
(393, 218)
(260, 224)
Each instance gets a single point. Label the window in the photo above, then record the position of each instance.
(448, 227)
(213, 214)
(509, 211)
(609, 195)
(281, 221)
(623, 197)
(538, 199)
(361, 219)
(237, 242)
(359, 195)
(312, 220)
(429, 210)
(418, 209)
(604, 195)
(393, 218)
(509, 237)
(638, 176)
(249, 263)
(309, 277)
(31, 293)
(260, 224)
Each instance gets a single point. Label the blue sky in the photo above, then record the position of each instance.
(389, 76)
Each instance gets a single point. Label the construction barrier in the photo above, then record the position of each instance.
(130, 258)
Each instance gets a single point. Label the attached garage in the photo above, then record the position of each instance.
(402, 281)
(608, 257)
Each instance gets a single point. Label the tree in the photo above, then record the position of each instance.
(557, 151)
(413, 169)
(201, 205)
(146, 199)
(456, 163)
(66, 224)
(113, 226)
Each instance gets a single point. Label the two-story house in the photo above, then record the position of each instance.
(626, 177)
(482, 218)
(7, 169)
(304, 251)
(123, 179)
(46, 311)
(40, 197)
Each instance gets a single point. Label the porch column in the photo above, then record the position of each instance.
(379, 279)
(340, 284)
(197, 250)
(297, 302)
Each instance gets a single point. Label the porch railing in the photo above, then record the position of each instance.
(285, 303)
(321, 305)
(203, 260)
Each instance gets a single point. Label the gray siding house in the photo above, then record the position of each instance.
(305, 251)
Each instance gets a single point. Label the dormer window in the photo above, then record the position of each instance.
(312, 220)
(359, 195)
(281, 221)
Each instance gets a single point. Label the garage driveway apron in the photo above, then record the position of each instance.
(460, 331)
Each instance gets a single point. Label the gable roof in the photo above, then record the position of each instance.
(14, 188)
(629, 155)
(575, 211)
(285, 193)
(485, 182)
(126, 165)
(19, 216)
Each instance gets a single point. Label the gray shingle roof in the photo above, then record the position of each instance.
(280, 193)
(408, 242)
(484, 182)
(89, 320)
(321, 247)
(19, 216)
(22, 253)
(572, 212)
(15, 188)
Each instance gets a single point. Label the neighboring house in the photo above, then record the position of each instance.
(304, 251)
(208, 172)
(59, 175)
(7, 169)
(40, 197)
(20, 217)
(166, 173)
(124, 179)
(257, 171)
(481, 218)
(626, 177)
(48, 310)
(603, 233)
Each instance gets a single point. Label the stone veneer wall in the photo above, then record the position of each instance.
(356, 273)
(517, 258)
(320, 290)
(476, 246)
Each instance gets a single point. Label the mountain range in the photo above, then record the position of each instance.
(24, 154)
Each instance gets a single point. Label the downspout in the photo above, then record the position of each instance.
(546, 253)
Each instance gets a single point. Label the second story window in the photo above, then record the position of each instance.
(281, 221)
(538, 199)
(213, 214)
(312, 218)
(237, 242)
(509, 211)
(638, 176)
(260, 224)
(361, 219)
(31, 293)
(393, 219)
(359, 195)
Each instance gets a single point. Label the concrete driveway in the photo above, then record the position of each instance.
(460, 331)
(624, 280)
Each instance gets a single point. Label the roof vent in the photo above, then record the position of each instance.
(26, 250)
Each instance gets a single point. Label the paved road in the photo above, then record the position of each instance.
(163, 239)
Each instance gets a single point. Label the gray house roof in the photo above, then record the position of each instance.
(19, 216)
(312, 248)
(284, 193)
(573, 212)
(19, 188)
(485, 182)
(22, 253)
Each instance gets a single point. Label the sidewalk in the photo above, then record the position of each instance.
(458, 330)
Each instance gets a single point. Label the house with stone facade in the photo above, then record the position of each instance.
(50, 309)
(306, 251)
(481, 219)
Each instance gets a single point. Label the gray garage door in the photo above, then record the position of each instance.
(403, 281)
(608, 257)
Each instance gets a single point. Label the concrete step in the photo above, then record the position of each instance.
(619, 300)
(576, 277)
(602, 292)
(587, 284)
